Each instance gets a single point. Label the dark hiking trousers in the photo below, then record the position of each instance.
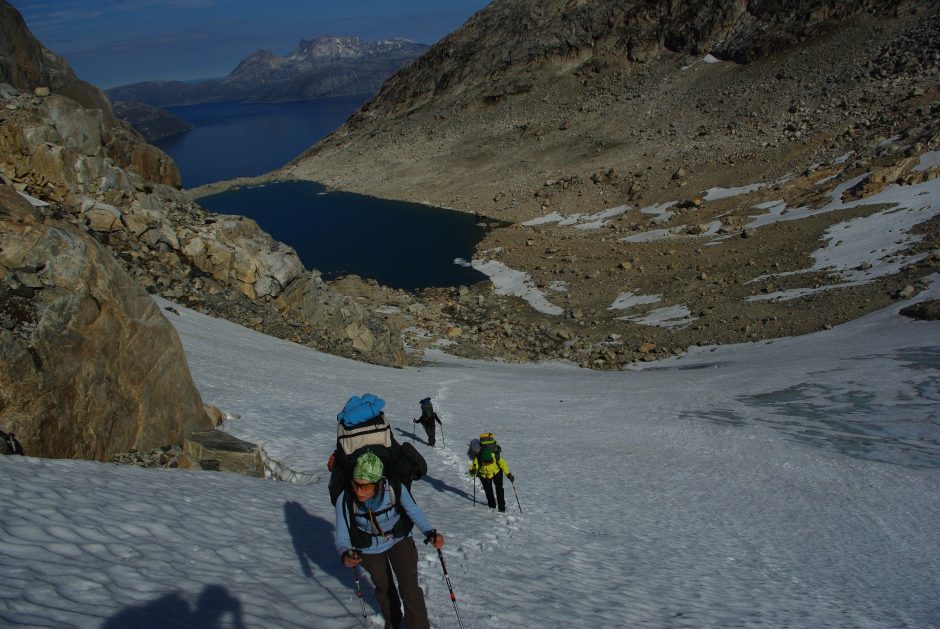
(488, 484)
(403, 557)
(430, 429)
(394, 602)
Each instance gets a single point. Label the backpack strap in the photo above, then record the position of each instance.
(363, 539)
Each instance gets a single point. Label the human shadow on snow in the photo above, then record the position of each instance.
(414, 436)
(215, 608)
(441, 486)
(312, 537)
(438, 485)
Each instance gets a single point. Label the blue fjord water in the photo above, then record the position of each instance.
(237, 139)
(403, 245)
(399, 244)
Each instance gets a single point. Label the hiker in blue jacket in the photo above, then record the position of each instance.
(374, 518)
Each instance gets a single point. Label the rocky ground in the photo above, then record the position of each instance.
(861, 98)
(572, 136)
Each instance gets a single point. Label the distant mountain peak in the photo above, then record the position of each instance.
(322, 67)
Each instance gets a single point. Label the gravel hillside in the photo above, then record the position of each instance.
(574, 108)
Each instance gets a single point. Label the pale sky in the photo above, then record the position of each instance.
(112, 42)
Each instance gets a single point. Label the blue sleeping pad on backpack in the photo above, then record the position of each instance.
(360, 409)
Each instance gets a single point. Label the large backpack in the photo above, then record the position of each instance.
(401, 462)
(373, 432)
(9, 444)
(356, 433)
(486, 443)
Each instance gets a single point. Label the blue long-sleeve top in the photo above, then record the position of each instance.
(379, 502)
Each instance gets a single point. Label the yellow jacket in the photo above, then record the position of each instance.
(488, 470)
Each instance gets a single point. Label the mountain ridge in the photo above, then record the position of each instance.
(324, 67)
(605, 181)
(536, 110)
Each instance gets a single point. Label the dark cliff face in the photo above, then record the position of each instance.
(499, 49)
(319, 68)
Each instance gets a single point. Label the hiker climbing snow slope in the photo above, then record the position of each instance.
(374, 518)
(427, 420)
(487, 463)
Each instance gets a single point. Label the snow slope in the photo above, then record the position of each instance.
(790, 483)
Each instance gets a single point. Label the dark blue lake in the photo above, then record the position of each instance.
(236, 139)
(403, 245)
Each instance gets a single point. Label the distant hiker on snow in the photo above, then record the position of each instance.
(487, 463)
(374, 518)
(427, 419)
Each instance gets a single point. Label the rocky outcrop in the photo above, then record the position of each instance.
(223, 265)
(26, 64)
(91, 221)
(31, 68)
(217, 450)
(347, 315)
(928, 310)
(72, 154)
(90, 366)
(324, 67)
(154, 124)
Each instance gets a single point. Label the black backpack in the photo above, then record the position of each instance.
(402, 463)
(9, 444)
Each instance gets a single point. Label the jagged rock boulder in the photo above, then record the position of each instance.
(217, 450)
(235, 250)
(374, 334)
(72, 152)
(90, 367)
(928, 310)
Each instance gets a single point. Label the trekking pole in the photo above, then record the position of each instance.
(414, 428)
(443, 443)
(474, 491)
(359, 594)
(453, 597)
(513, 483)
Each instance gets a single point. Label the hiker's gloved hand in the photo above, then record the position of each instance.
(352, 558)
(435, 538)
(511, 478)
(331, 462)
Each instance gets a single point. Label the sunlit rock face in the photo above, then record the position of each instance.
(90, 366)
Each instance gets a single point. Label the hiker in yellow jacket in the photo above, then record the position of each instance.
(490, 467)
